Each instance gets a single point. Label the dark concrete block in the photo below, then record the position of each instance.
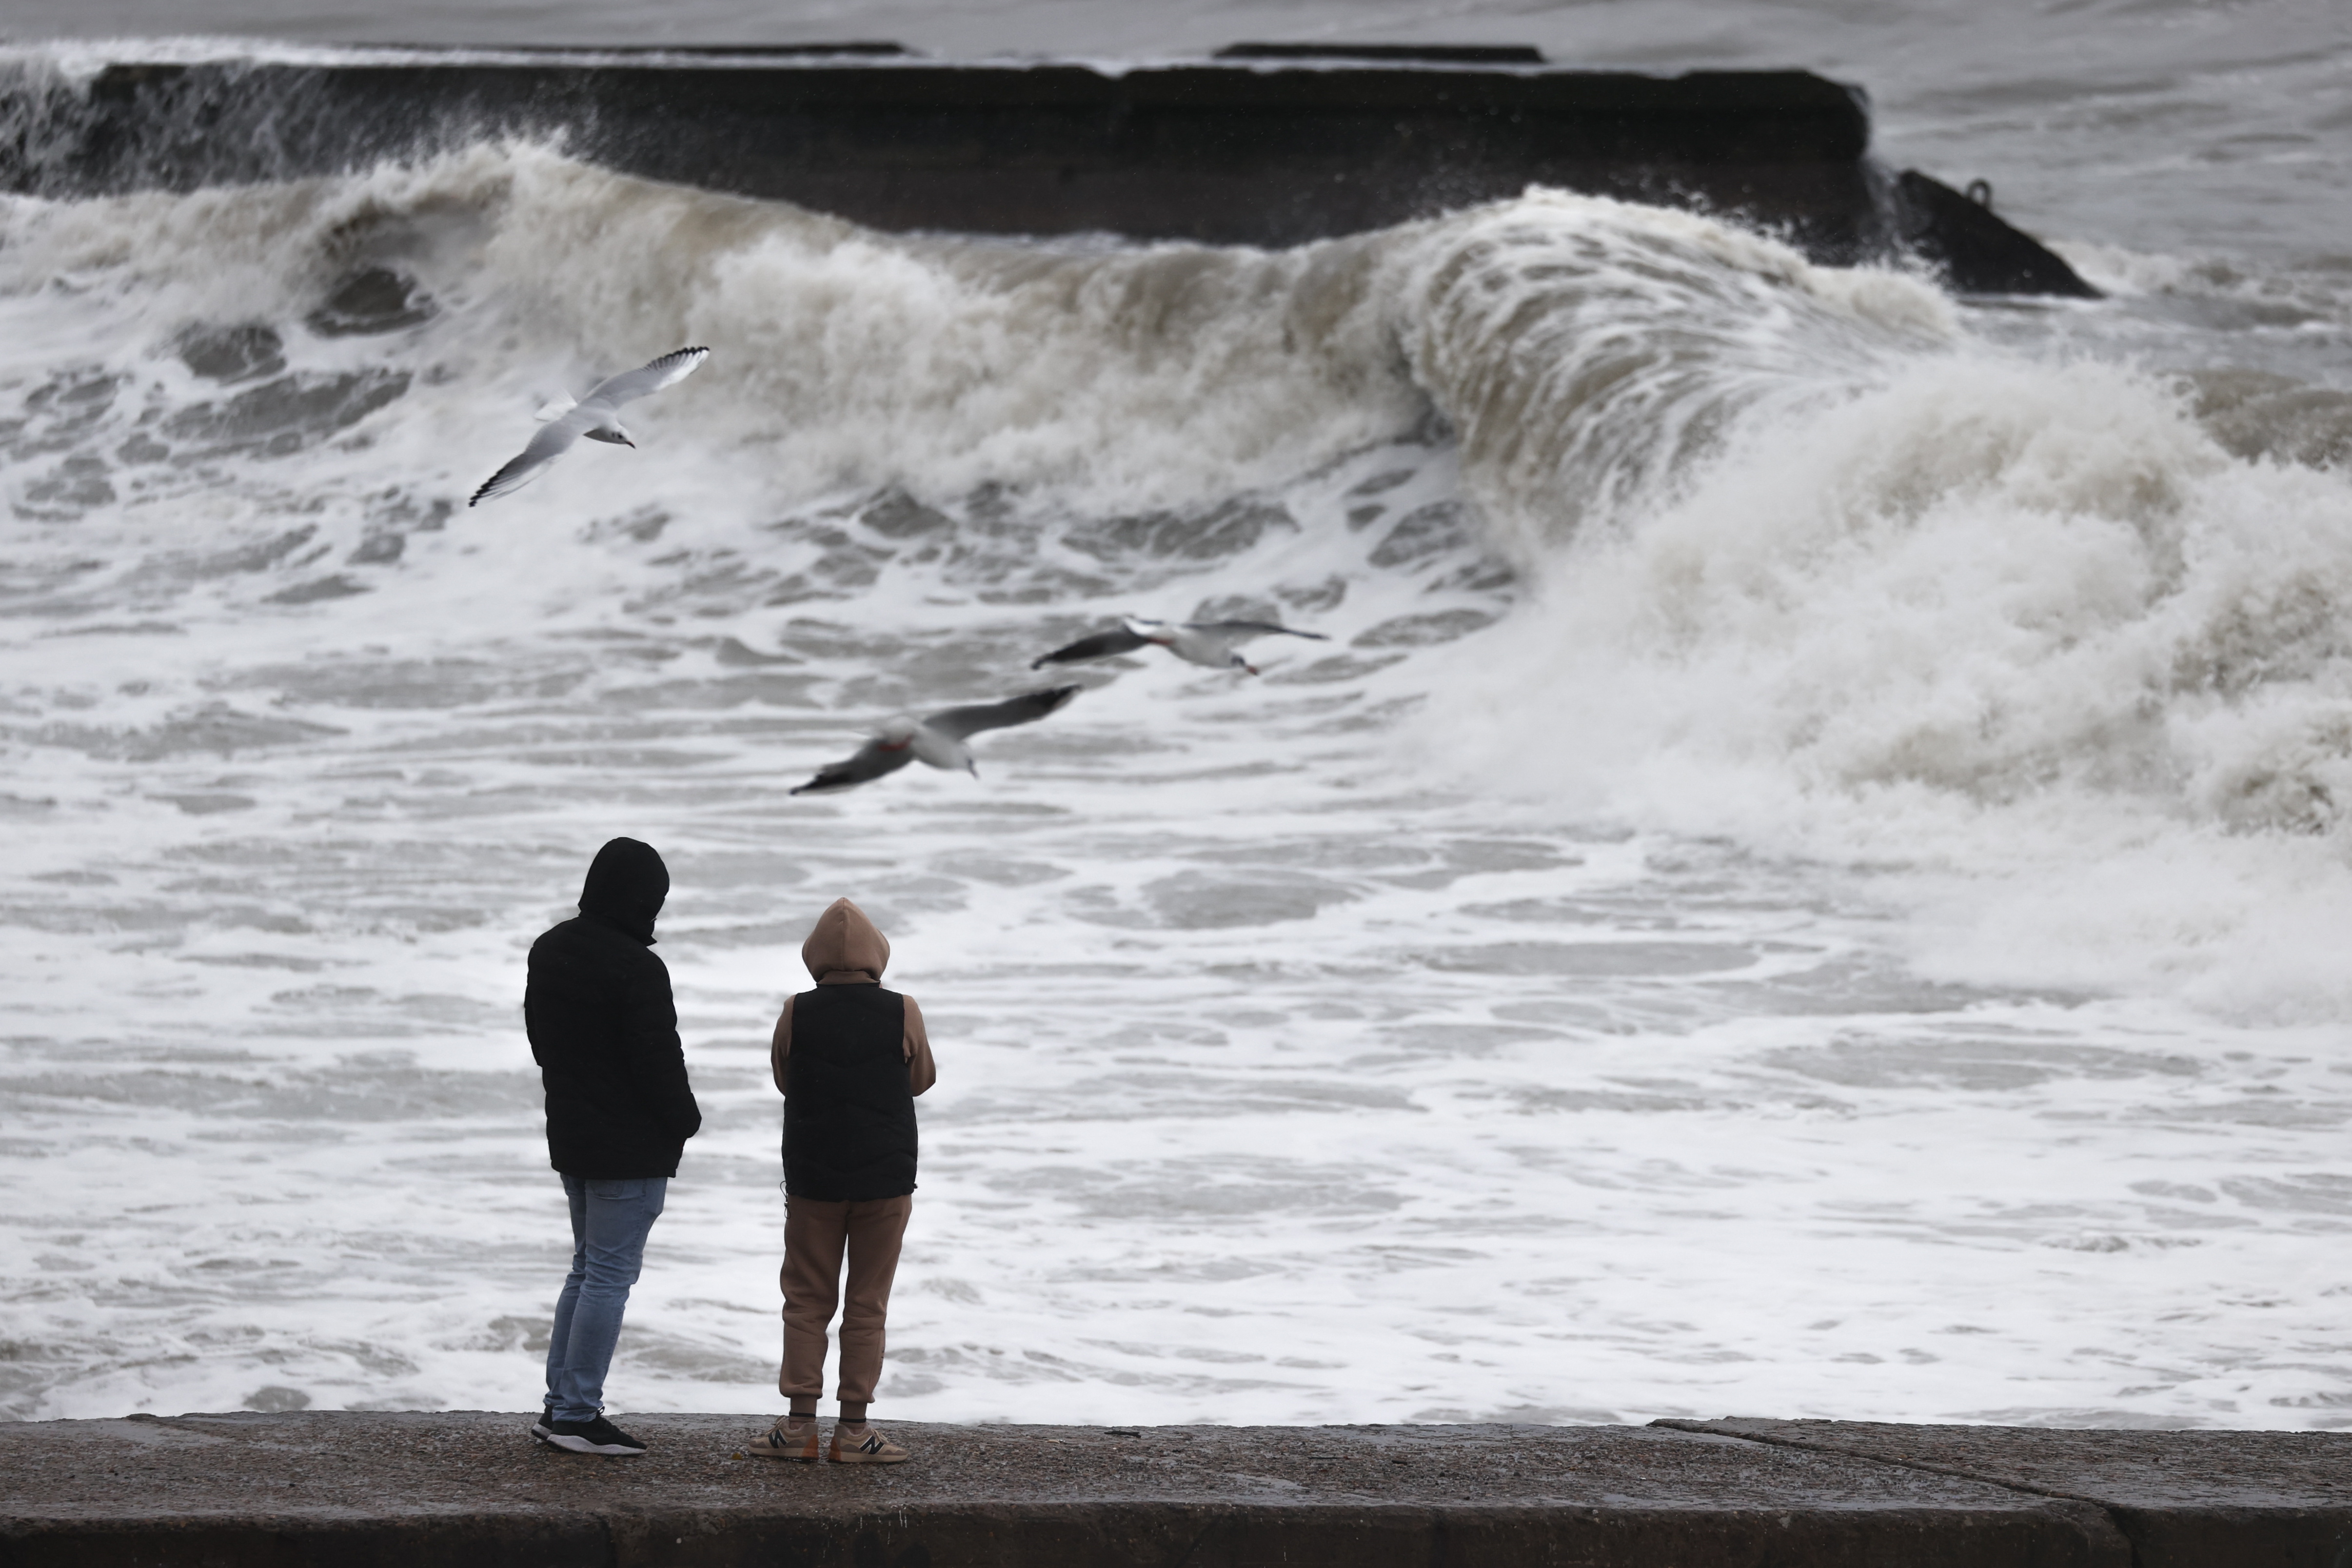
(2282, 1500)
(1976, 252)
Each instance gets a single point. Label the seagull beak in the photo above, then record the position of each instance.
(632, 445)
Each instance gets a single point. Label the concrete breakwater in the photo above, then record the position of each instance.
(467, 1488)
(1259, 146)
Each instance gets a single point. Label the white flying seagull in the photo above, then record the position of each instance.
(1195, 642)
(936, 738)
(594, 417)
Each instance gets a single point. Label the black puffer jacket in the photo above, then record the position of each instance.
(605, 1029)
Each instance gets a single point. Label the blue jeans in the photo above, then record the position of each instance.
(610, 1221)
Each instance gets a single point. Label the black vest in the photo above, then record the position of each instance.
(849, 1121)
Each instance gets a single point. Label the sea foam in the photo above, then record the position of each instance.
(1805, 783)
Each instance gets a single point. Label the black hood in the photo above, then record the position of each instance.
(625, 887)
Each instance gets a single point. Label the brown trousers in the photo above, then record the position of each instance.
(816, 1237)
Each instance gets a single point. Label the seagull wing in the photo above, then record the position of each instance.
(1241, 631)
(551, 442)
(1025, 708)
(632, 385)
(868, 763)
(1102, 644)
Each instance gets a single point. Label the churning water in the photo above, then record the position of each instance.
(1812, 877)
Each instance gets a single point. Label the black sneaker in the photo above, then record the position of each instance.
(538, 1428)
(597, 1436)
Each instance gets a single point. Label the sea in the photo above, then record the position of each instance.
(1810, 873)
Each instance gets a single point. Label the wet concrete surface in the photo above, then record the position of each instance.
(2281, 1498)
(460, 1487)
(471, 1487)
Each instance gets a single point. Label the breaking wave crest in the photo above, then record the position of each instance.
(1794, 551)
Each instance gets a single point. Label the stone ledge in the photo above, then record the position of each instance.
(354, 1489)
(2180, 1498)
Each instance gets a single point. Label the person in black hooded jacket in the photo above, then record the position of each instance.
(603, 1029)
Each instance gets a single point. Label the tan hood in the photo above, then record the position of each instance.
(845, 941)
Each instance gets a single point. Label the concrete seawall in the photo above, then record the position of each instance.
(1258, 151)
(462, 1488)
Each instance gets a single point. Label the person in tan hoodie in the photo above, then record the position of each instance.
(850, 1058)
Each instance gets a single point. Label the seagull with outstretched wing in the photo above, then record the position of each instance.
(1210, 643)
(937, 738)
(595, 417)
